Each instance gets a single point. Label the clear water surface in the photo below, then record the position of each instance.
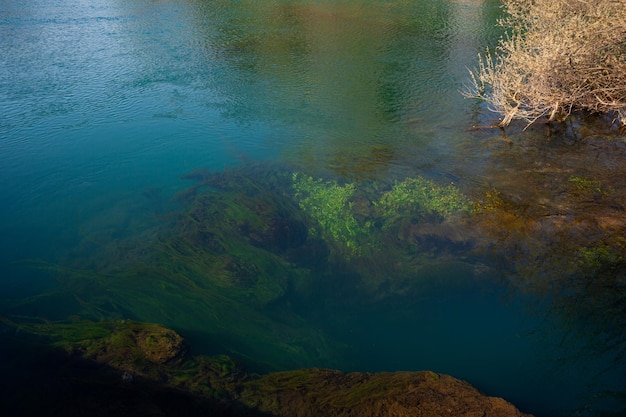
(104, 105)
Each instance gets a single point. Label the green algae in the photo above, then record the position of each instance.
(218, 269)
(250, 245)
(332, 393)
(135, 351)
(254, 256)
(328, 203)
(120, 340)
(577, 235)
(588, 186)
(334, 212)
(420, 197)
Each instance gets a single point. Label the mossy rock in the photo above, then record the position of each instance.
(126, 345)
(314, 392)
(144, 368)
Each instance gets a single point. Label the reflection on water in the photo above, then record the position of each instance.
(405, 239)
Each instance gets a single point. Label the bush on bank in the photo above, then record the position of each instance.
(556, 57)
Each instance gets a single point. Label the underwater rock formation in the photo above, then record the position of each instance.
(126, 368)
(313, 392)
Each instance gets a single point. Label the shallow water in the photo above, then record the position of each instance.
(105, 105)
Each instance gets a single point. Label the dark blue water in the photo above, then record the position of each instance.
(105, 102)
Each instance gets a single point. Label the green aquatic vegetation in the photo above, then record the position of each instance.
(491, 201)
(586, 185)
(421, 197)
(595, 257)
(602, 259)
(244, 244)
(220, 267)
(134, 349)
(121, 342)
(328, 203)
(332, 207)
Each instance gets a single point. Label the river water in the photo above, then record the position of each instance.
(105, 107)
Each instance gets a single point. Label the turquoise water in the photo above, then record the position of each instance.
(106, 104)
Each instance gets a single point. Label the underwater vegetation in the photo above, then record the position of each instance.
(129, 368)
(562, 235)
(250, 251)
(122, 368)
(421, 198)
(334, 208)
(329, 205)
(578, 234)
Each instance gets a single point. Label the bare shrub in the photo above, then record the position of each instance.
(557, 57)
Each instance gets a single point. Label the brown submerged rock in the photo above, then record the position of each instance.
(145, 369)
(316, 392)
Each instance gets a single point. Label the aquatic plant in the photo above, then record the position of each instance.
(249, 243)
(414, 200)
(328, 203)
(420, 197)
(595, 257)
(583, 185)
(222, 267)
(491, 201)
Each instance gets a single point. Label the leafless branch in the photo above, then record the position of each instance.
(559, 56)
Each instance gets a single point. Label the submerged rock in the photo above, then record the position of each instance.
(130, 368)
(314, 392)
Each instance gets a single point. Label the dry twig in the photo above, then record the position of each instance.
(559, 56)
